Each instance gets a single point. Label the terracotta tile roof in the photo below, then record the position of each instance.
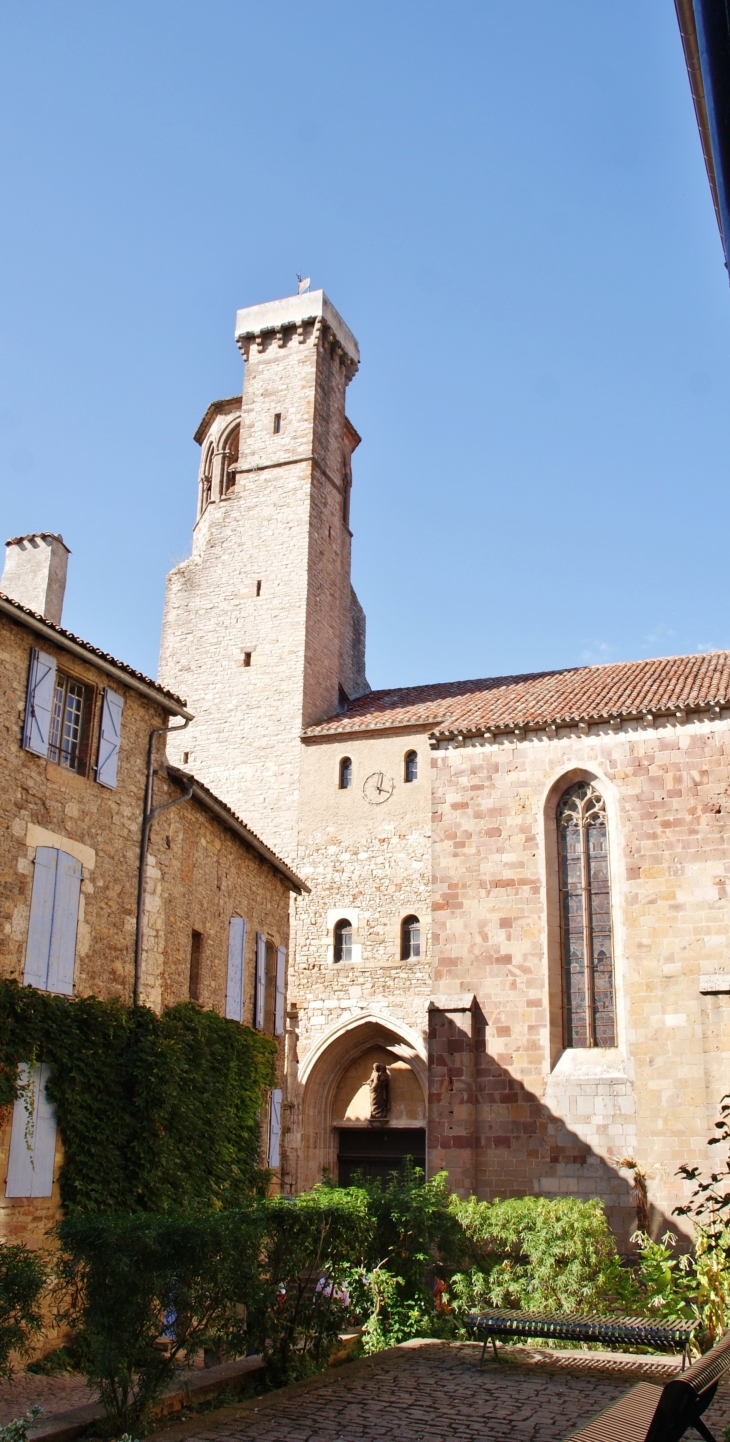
(542, 698)
(74, 644)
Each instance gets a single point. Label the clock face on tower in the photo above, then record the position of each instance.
(377, 787)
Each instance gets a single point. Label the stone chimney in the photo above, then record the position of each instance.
(35, 573)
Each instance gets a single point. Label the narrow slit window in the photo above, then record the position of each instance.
(411, 766)
(277, 423)
(247, 658)
(410, 938)
(196, 952)
(343, 941)
(258, 588)
(345, 773)
(585, 919)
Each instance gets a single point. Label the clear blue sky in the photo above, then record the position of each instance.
(507, 203)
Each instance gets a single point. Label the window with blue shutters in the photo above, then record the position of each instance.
(109, 738)
(54, 914)
(32, 1138)
(235, 977)
(280, 991)
(39, 702)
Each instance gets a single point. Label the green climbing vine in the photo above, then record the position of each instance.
(156, 1113)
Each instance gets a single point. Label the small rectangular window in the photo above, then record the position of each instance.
(277, 423)
(68, 732)
(258, 588)
(196, 949)
(247, 658)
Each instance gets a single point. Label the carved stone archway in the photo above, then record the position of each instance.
(322, 1070)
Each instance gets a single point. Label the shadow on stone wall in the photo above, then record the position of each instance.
(496, 1138)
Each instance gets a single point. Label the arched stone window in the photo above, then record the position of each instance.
(230, 459)
(345, 773)
(410, 938)
(343, 941)
(206, 480)
(585, 918)
(410, 766)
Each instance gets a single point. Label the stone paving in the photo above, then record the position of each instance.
(433, 1392)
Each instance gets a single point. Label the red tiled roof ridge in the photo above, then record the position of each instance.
(92, 651)
(534, 699)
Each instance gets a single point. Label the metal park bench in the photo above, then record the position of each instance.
(497, 1322)
(650, 1413)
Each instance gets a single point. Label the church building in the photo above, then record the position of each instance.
(512, 958)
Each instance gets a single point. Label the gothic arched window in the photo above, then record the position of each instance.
(585, 918)
(206, 480)
(343, 941)
(410, 766)
(230, 459)
(410, 938)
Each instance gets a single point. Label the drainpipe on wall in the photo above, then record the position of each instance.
(149, 814)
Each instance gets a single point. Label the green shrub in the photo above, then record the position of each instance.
(413, 1231)
(131, 1279)
(23, 1276)
(232, 1281)
(17, 1430)
(311, 1245)
(538, 1254)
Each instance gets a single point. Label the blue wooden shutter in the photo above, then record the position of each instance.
(280, 990)
(234, 982)
(260, 997)
(62, 951)
(109, 738)
(39, 702)
(41, 918)
(32, 1138)
(275, 1128)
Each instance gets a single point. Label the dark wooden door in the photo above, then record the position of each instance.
(378, 1151)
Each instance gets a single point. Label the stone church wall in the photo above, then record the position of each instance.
(562, 1121)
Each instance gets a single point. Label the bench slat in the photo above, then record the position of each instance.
(503, 1322)
(628, 1420)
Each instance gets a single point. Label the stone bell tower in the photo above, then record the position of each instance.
(262, 632)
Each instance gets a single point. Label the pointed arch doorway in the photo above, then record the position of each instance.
(337, 1133)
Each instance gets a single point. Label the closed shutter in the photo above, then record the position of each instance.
(234, 982)
(280, 990)
(260, 997)
(39, 702)
(41, 918)
(54, 914)
(275, 1128)
(65, 922)
(109, 738)
(32, 1139)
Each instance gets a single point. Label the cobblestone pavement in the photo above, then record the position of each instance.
(432, 1392)
(53, 1394)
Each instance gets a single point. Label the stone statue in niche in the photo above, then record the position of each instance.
(379, 1084)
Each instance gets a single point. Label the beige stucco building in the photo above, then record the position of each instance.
(518, 886)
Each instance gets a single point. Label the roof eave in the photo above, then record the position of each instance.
(49, 633)
(233, 823)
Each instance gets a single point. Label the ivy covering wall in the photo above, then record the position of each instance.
(156, 1113)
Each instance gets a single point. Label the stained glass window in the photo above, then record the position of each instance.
(585, 918)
